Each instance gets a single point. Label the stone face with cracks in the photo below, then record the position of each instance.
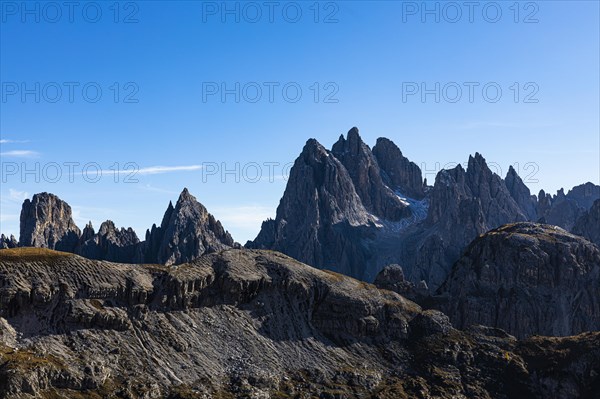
(527, 279)
(247, 323)
(46, 222)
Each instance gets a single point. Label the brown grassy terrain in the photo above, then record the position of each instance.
(31, 254)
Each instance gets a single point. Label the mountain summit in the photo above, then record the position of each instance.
(187, 232)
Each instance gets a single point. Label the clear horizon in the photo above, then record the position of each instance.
(209, 98)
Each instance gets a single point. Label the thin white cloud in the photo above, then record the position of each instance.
(155, 170)
(20, 154)
(8, 141)
(17, 195)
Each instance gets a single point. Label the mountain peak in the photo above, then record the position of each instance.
(353, 134)
(477, 159)
(398, 172)
(185, 195)
(46, 221)
(187, 232)
(352, 144)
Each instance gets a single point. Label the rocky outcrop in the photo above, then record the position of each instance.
(527, 279)
(392, 278)
(521, 194)
(463, 204)
(588, 225)
(46, 222)
(242, 323)
(585, 194)
(565, 209)
(111, 244)
(8, 242)
(339, 210)
(399, 173)
(365, 173)
(187, 232)
(320, 219)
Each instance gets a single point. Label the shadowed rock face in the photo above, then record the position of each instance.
(8, 242)
(245, 323)
(464, 204)
(527, 279)
(400, 173)
(366, 174)
(46, 222)
(392, 278)
(565, 209)
(187, 232)
(111, 244)
(521, 194)
(588, 225)
(320, 218)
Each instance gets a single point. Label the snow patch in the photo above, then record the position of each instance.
(418, 208)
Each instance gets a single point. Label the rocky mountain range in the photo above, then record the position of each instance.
(369, 214)
(352, 210)
(355, 210)
(468, 273)
(244, 323)
(187, 231)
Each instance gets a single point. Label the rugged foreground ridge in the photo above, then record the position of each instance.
(527, 279)
(248, 324)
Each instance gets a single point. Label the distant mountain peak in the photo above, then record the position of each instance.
(185, 196)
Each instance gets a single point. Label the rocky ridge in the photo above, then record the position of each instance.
(244, 324)
(588, 225)
(352, 210)
(357, 228)
(8, 242)
(527, 279)
(186, 232)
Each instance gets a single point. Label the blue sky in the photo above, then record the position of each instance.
(156, 112)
